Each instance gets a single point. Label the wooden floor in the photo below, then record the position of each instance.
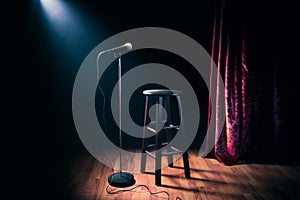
(210, 180)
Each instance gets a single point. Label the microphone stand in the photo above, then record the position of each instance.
(120, 179)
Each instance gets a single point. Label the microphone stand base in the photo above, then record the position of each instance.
(121, 179)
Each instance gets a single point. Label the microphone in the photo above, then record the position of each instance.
(126, 46)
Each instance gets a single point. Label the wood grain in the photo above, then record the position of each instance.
(210, 180)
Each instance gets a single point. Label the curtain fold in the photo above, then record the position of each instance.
(254, 101)
(232, 65)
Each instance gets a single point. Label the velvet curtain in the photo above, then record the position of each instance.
(250, 57)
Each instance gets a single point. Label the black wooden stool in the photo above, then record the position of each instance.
(163, 134)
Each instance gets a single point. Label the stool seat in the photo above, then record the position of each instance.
(164, 135)
(162, 92)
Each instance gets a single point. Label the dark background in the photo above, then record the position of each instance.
(55, 52)
(44, 55)
(47, 52)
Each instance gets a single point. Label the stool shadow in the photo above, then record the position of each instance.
(192, 178)
(201, 170)
(204, 190)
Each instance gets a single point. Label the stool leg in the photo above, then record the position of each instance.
(158, 161)
(158, 168)
(158, 143)
(185, 154)
(169, 132)
(186, 165)
(144, 142)
(170, 161)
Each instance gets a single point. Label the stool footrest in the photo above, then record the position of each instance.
(171, 153)
(176, 151)
(151, 129)
(153, 145)
(165, 127)
(171, 127)
(150, 154)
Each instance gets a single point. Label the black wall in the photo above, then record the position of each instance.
(46, 55)
(55, 55)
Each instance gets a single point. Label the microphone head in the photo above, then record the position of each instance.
(128, 46)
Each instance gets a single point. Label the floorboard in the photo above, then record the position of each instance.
(210, 180)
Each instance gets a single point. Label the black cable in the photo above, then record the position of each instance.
(131, 189)
(103, 94)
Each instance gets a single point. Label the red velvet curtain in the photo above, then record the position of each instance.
(255, 98)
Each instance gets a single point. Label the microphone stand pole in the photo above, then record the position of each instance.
(120, 179)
